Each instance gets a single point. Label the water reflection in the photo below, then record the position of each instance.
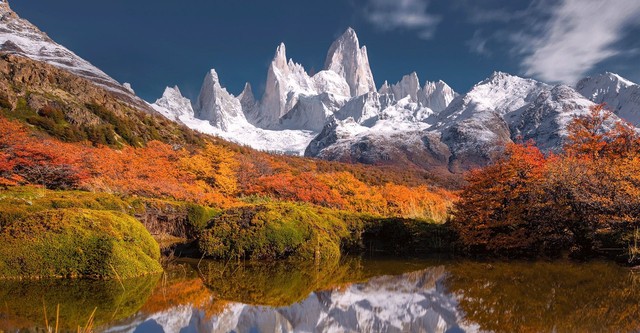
(409, 302)
(354, 295)
(22, 303)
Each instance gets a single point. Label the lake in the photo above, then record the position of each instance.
(353, 295)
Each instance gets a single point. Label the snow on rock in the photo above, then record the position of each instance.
(127, 86)
(621, 95)
(220, 114)
(296, 107)
(408, 86)
(504, 108)
(286, 81)
(351, 62)
(216, 105)
(173, 105)
(436, 96)
(20, 37)
(312, 112)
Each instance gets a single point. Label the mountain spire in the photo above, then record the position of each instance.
(346, 58)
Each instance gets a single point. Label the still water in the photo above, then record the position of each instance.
(353, 295)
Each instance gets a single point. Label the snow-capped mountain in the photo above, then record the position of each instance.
(351, 62)
(621, 95)
(218, 106)
(19, 36)
(296, 107)
(344, 117)
(504, 108)
(174, 106)
(339, 114)
(470, 132)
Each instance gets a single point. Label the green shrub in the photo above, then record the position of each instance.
(198, 217)
(77, 243)
(274, 231)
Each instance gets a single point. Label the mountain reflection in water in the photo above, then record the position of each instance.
(365, 295)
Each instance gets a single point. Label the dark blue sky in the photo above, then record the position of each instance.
(152, 44)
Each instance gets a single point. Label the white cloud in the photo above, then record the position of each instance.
(478, 44)
(579, 35)
(404, 14)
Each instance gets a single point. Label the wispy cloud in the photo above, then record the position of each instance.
(579, 35)
(478, 43)
(403, 14)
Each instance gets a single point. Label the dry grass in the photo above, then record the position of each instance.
(87, 328)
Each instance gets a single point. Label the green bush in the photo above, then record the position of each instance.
(281, 230)
(198, 217)
(77, 243)
(274, 231)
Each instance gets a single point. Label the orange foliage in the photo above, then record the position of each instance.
(357, 195)
(27, 158)
(150, 171)
(417, 202)
(582, 200)
(214, 165)
(305, 187)
(213, 175)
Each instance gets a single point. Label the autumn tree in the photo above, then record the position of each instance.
(581, 200)
(499, 210)
(595, 186)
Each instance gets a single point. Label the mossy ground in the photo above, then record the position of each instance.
(280, 230)
(82, 234)
(73, 242)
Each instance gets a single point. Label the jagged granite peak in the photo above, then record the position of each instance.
(348, 59)
(215, 103)
(385, 88)
(19, 36)
(247, 99)
(436, 95)
(408, 86)
(620, 95)
(280, 58)
(173, 105)
(285, 82)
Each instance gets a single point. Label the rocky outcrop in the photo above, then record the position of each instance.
(19, 36)
(83, 103)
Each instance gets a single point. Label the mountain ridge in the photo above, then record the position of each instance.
(339, 113)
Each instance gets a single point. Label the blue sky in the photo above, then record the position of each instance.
(153, 44)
